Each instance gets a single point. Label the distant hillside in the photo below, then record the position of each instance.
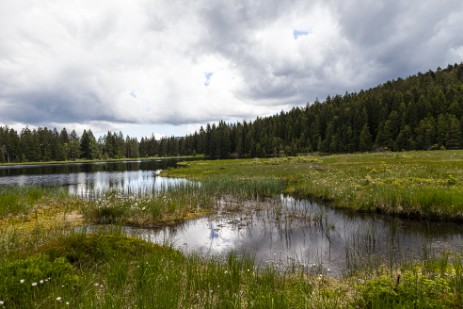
(424, 111)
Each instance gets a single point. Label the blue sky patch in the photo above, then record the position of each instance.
(299, 33)
(208, 76)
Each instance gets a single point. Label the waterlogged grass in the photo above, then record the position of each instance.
(244, 188)
(177, 203)
(170, 206)
(25, 209)
(102, 270)
(414, 184)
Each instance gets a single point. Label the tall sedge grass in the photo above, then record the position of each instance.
(113, 271)
(12, 203)
(175, 203)
(20, 200)
(105, 269)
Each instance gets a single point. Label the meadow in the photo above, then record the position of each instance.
(52, 259)
(422, 184)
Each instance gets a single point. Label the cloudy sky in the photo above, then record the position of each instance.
(167, 67)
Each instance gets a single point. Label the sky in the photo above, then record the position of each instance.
(157, 67)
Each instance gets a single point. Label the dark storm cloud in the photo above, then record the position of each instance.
(401, 37)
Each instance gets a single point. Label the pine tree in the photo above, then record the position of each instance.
(454, 137)
(405, 140)
(425, 134)
(365, 143)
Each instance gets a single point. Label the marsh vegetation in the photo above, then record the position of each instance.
(64, 249)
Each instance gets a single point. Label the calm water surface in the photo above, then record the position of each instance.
(287, 231)
(93, 179)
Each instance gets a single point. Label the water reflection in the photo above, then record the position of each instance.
(312, 236)
(128, 182)
(93, 179)
(91, 167)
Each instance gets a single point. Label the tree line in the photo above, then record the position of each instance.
(421, 112)
(43, 144)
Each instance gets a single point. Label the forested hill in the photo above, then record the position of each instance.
(424, 111)
(421, 112)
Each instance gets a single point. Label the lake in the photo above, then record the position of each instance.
(282, 231)
(93, 179)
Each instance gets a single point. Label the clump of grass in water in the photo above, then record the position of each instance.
(243, 187)
(173, 204)
(176, 203)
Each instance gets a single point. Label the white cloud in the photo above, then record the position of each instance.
(112, 64)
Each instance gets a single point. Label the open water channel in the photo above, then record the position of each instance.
(281, 231)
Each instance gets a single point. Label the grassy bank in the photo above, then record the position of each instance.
(110, 270)
(413, 184)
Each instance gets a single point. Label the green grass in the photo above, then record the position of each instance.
(110, 270)
(415, 184)
(114, 271)
(14, 201)
(22, 200)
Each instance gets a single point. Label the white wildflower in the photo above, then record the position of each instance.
(58, 298)
(21, 281)
(34, 284)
